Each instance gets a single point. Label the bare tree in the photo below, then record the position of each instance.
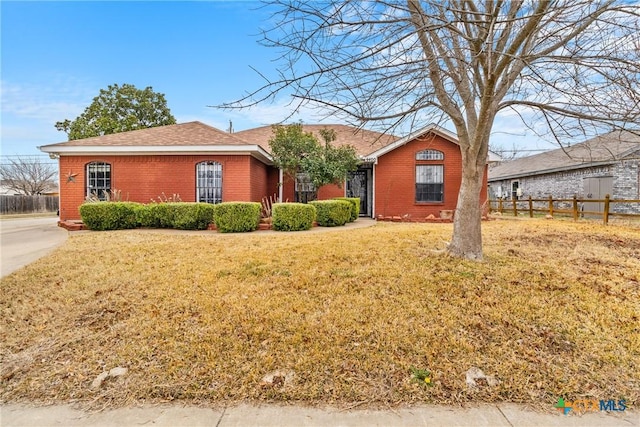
(571, 66)
(515, 152)
(27, 176)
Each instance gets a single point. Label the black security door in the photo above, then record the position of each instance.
(357, 187)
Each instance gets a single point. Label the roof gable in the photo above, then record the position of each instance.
(601, 150)
(432, 128)
(364, 141)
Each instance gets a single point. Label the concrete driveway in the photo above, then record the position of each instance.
(24, 240)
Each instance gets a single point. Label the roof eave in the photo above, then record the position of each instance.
(548, 171)
(135, 150)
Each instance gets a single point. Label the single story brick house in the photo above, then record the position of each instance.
(411, 177)
(607, 164)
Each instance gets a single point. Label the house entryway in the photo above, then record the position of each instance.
(359, 184)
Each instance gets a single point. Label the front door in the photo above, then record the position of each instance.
(357, 186)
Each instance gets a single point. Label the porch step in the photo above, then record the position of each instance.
(72, 225)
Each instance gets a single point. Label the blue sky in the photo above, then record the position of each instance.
(56, 56)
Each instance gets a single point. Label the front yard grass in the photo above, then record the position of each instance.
(553, 311)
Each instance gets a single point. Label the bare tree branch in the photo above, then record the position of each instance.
(27, 176)
(573, 65)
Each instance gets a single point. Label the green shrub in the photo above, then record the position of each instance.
(144, 216)
(234, 217)
(331, 213)
(292, 216)
(178, 215)
(161, 215)
(355, 206)
(109, 215)
(192, 216)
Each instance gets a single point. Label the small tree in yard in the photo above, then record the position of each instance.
(296, 151)
(571, 67)
(290, 145)
(27, 176)
(331, 163)
(119, 109)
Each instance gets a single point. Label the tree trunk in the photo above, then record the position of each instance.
(467, 232)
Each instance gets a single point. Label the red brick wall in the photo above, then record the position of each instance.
(288, 189)
(259, 179)
(273, 178)
(330, 191)
(143, 178)
(324, 193)
(395, 179)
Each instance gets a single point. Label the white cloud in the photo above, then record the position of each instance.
(30, 110)
(51, 101)
(280, 110)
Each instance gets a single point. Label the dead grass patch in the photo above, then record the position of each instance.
(553, 311)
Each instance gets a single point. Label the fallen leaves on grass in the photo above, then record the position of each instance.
(204, 317)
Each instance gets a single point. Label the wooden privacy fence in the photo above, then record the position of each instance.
(28, 204)
(574, 207)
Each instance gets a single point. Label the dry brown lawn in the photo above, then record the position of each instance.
(202, 318)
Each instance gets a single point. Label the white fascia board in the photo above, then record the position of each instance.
(368, 159)
(133, 150)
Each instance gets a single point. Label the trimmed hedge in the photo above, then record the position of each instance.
(192, 216)
(155, 215)
(332, 213)
(235, 217)
(145, 217)
(160, 215)
(178, 215)
(355, 206)
(101, 216)
(292, 216)
(125, 215)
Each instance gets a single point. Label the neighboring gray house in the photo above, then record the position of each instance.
(607, 164)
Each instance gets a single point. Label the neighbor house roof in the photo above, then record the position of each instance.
(364, 141)
(184, 138)
(601, 150)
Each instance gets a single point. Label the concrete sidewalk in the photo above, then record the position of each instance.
(508, 415)
(25, 239)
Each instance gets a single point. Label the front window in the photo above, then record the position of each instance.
(429, 183)
(209, 182)
(98, 180)
(305, 190)
(429, 155)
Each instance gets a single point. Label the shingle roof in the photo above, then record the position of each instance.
(184, 134)
(364, 141)
(603, 149)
